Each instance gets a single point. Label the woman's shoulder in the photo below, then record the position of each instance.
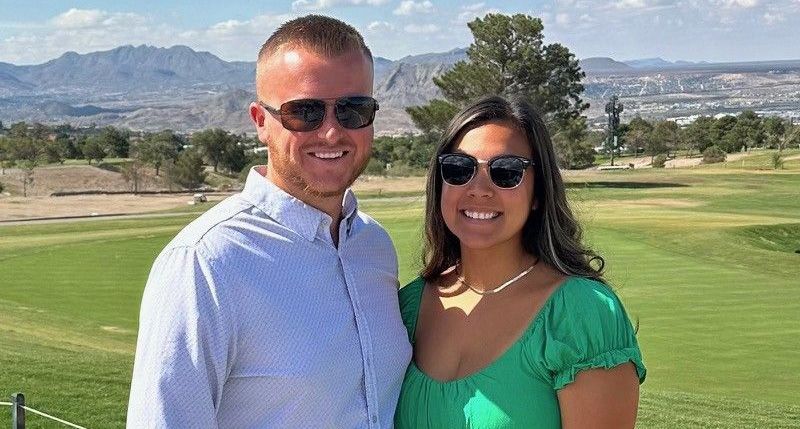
(409, 298)
(585, 305)
(582, 292)
(411, 292)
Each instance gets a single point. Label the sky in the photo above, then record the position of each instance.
(33, 32)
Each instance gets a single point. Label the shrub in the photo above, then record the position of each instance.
(659, 161)
(713, 155)
(777, 161)
(375, 168)
(404, 170)
(1, 186)
(188, 171)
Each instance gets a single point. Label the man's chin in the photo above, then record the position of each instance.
(326, 190)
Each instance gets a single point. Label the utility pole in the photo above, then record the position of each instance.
(613, 109)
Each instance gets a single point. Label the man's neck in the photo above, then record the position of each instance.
(330, 205)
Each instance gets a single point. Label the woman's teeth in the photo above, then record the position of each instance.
(481, 215)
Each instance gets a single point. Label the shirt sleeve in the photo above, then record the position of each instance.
(184, 345)
(586, 328)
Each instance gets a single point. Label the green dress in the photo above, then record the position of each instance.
(582, 325)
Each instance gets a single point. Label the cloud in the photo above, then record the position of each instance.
(772, 18)
(421, 29)
(745, 4)
(94, 18)
(379, 27)
(410, 7)
(644, 4)
(312, 5)
(562, 19)
(470, 12)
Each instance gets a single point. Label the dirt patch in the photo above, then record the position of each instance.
(650, 202)
(87, 178)
(116, 330)
(18, 208)
(389, 184)
(692, 162)
(63, 178)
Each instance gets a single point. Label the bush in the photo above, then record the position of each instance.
(188, 171)
(659, 161)
(114, 168)
(403, 170)
(1, 186)
(777, 161)
(375, 167)
(713, 155)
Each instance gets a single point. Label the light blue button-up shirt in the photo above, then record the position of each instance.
(252, 318)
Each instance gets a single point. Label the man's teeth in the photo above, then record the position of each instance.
(481, 215)
(329, 155)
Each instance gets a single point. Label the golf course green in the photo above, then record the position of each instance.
(706, 260)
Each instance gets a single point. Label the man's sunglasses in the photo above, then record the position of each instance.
(307, 114)
(506, 171)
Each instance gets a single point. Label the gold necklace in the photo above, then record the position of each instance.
(496, 289)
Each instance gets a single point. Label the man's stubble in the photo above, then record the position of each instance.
(284, 168)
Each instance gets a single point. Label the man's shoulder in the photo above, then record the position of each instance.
(368, 225)
(209, 224)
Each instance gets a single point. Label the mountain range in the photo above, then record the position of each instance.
(146, 87)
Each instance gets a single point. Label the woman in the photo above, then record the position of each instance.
(512, 326)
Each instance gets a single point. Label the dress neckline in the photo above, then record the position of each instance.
(488, 367)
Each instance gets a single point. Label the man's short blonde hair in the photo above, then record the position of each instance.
(323, 35)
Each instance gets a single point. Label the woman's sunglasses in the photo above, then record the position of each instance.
(506, 171)
(307, 114)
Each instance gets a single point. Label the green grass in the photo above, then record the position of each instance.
(705, 262)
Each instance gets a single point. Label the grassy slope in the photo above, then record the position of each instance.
(718, 309)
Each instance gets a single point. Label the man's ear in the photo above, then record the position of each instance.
(257, 114)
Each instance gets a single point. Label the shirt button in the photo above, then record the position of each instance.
(374, 419)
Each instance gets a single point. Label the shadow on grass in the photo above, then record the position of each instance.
(625, 185)
(780, 237)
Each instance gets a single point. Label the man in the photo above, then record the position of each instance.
(278, 307)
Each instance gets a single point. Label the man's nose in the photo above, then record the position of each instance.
(330, 130)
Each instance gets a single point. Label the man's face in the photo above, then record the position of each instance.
(319, 164)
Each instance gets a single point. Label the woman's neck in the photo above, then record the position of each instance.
(486, 269)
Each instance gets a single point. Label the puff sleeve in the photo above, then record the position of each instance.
(587, 327)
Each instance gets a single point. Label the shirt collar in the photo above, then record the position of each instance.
(289, 211)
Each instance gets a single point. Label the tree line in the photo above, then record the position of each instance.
(707, 134)
(178, 158)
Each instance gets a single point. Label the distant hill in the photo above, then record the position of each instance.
(648, 63)
(129, 68)
(448, 58)
(603, 65)
(660, 63)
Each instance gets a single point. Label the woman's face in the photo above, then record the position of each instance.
(480, 214)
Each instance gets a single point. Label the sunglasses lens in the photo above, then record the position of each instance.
(507, 172)
(457, 169)
(302, 115)
(356, 112)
